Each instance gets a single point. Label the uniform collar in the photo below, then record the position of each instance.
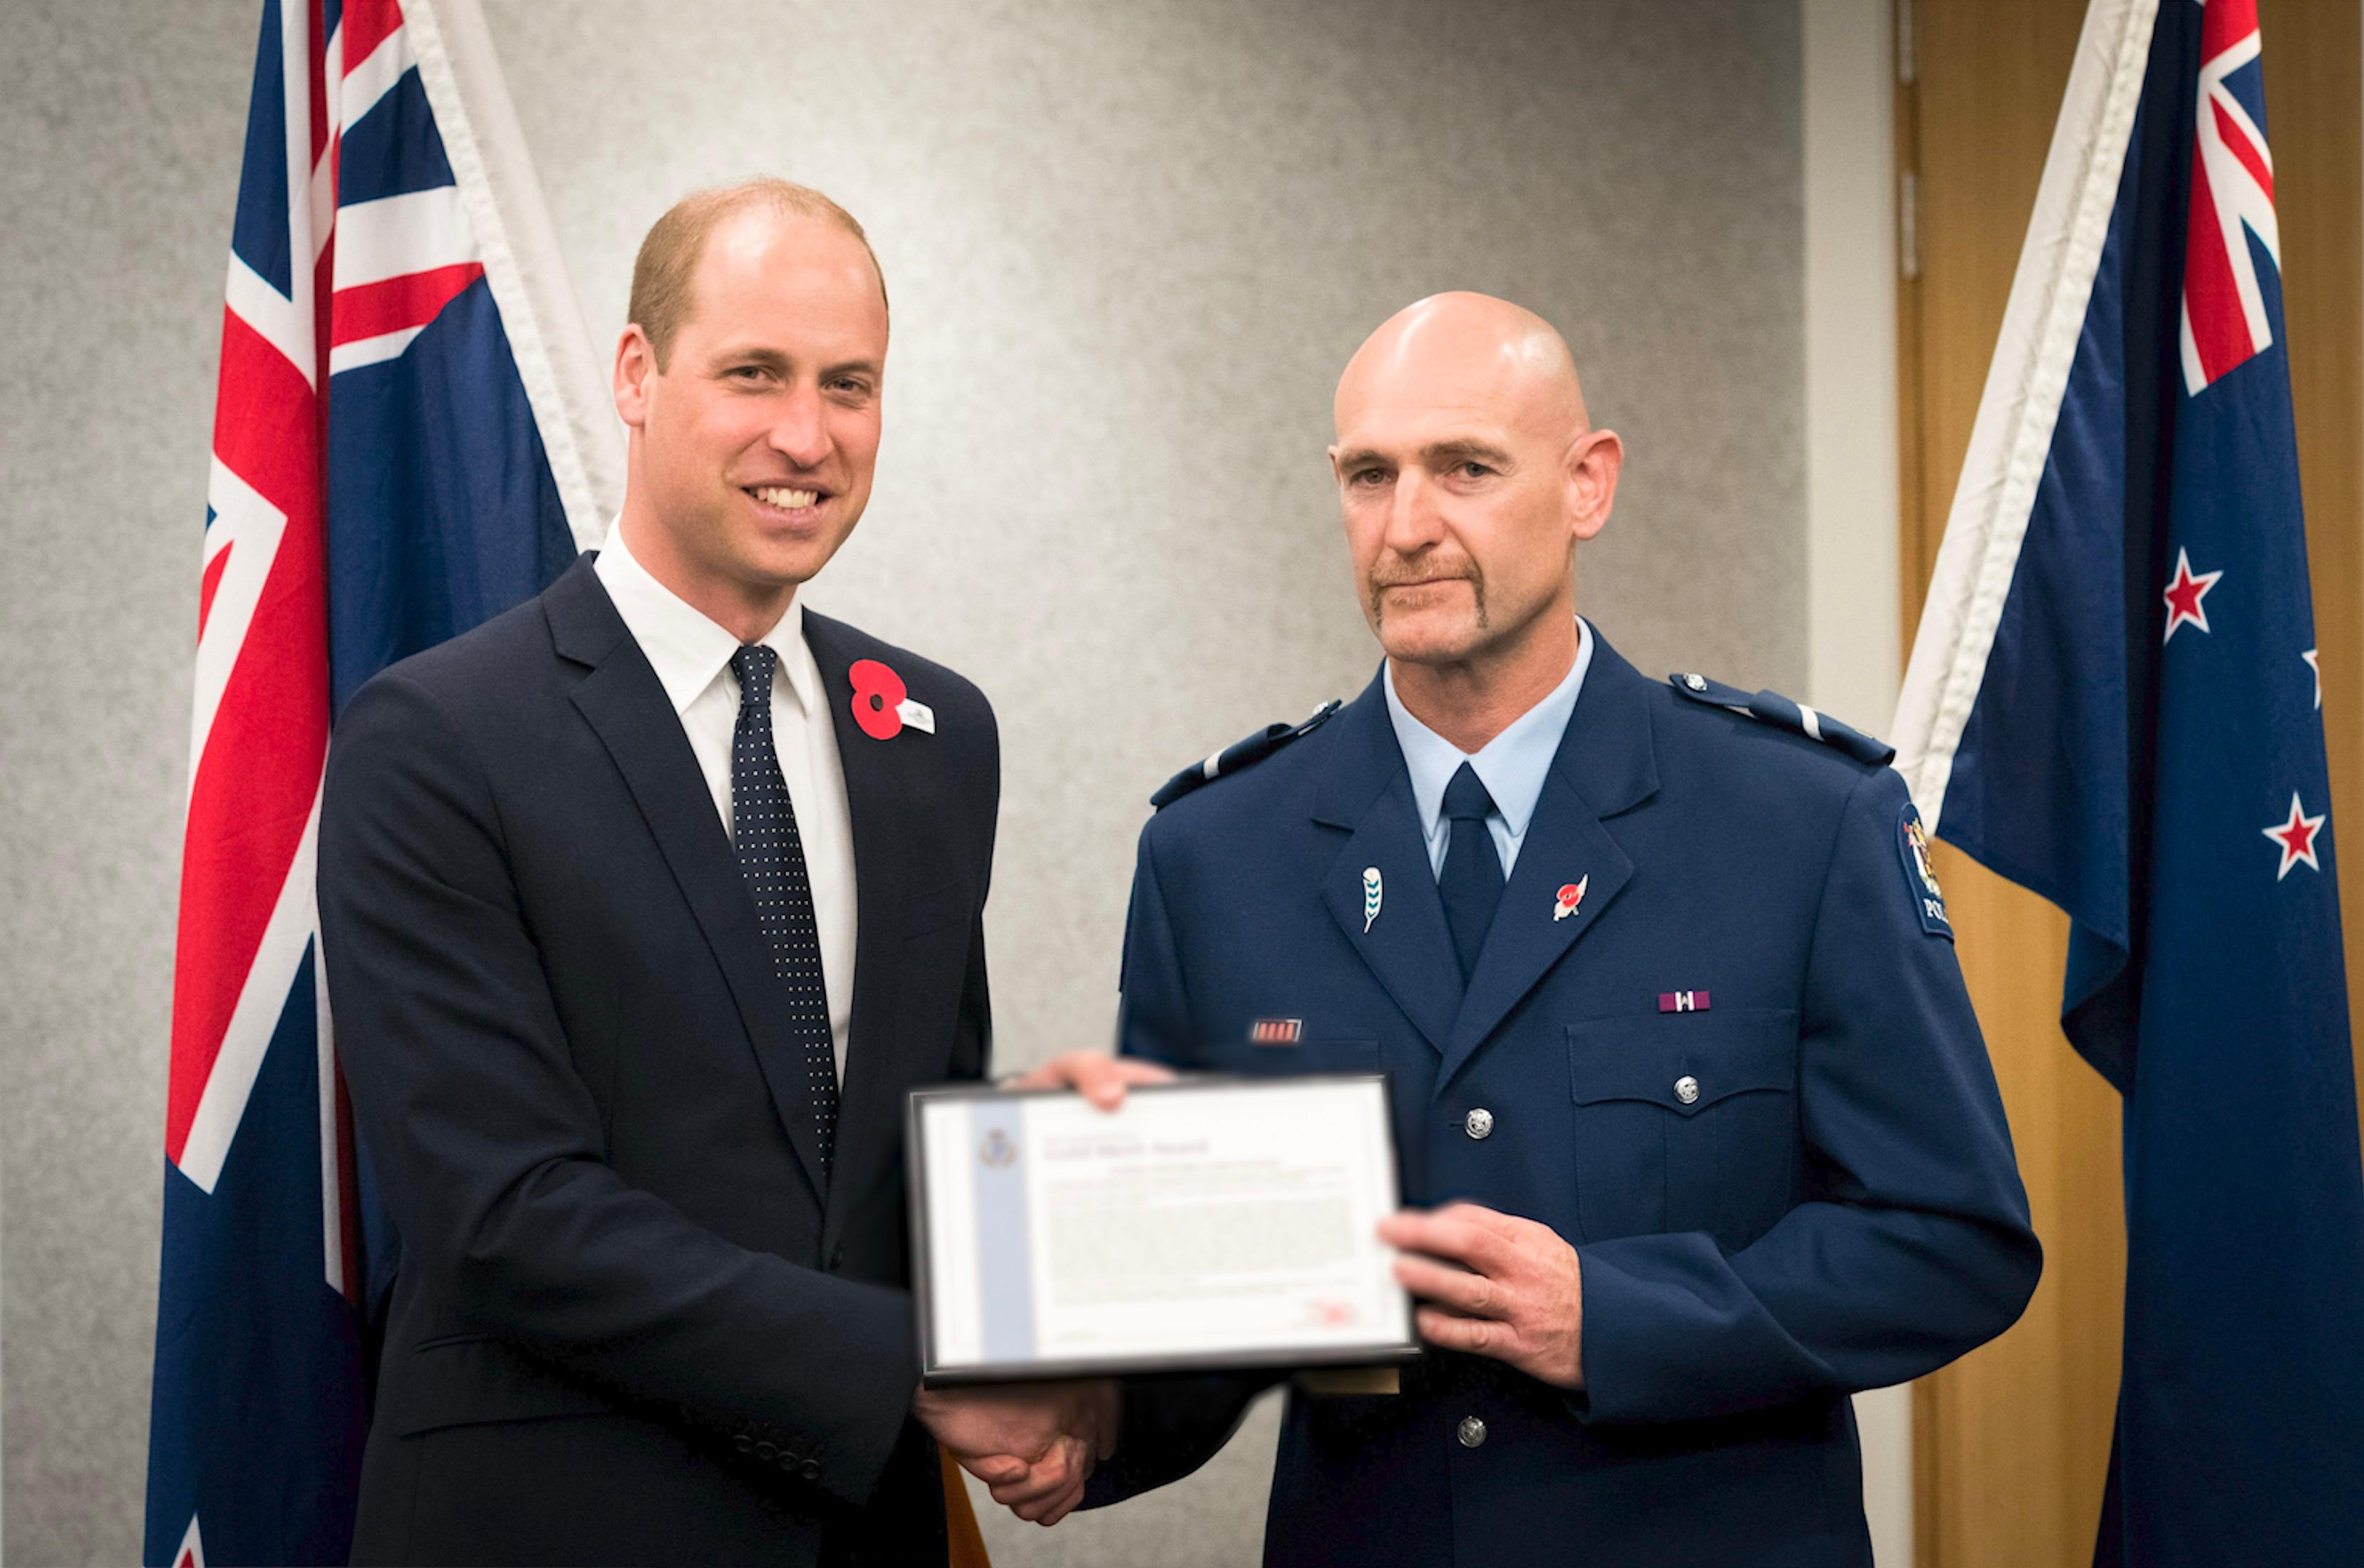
(1511, 766)
(1608, 756)
(687, 650)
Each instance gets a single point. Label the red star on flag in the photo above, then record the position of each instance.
(2184, 594)
(2296, 837)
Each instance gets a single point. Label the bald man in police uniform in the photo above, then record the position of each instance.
(1698, 1127)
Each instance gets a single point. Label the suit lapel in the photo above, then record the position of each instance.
(623, 702)
(1405, 944)
(1606, 765)
(880, 795)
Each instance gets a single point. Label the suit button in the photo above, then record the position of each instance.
(811, 1471)
(743, 1444)
(1478, 1123)
(836, 1259)
(1686, 1089)
(1696, 682)
(767, 1452)
(1471, 1431)
(788, 1460)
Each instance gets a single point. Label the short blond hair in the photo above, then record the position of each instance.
(669, 255)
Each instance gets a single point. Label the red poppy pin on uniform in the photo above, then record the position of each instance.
(882, 706)
(1570, 895)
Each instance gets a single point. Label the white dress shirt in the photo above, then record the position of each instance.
(692, 658)
(1511, 766)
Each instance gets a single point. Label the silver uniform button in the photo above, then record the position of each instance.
(1696, 682)
(1686, 1089)
(1471, 1431)
(1478, 1123)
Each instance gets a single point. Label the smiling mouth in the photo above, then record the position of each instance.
(781, 497)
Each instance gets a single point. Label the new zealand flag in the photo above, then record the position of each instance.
(2114, 700)
(396, 458)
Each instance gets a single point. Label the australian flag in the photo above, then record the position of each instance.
(2114, 700)
(398, 454)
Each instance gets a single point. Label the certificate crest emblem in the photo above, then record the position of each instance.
(1370, 897)
(997, 1150)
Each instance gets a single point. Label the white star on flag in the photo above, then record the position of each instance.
(2184, 594)
(2309, 657)
(2296, 838)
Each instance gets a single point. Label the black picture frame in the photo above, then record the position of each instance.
(933, 1375)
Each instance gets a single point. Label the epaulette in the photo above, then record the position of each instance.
(1238, 755)
(1775, 708)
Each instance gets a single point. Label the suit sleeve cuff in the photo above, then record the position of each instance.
(844, 1446)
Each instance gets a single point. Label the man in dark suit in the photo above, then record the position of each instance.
(643, 906)
(1687, 1091)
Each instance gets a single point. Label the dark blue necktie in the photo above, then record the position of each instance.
(771, 859)
(1472, 883)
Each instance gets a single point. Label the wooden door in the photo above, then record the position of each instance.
(2010, 1444)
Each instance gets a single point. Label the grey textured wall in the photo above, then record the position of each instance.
(1130, 247)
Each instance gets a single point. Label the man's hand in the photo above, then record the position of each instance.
(1034, 1444)
(1098, 1076)
(1517, 1296)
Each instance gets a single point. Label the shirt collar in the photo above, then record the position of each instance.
(1511, 765)
(687, 650)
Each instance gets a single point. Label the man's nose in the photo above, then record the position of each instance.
(799, 432)
(1414, 520)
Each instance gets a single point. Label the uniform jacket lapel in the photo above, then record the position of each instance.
(1367, 791)
(1607, 764)
(622, 700)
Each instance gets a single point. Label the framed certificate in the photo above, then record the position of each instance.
(1211, 1223)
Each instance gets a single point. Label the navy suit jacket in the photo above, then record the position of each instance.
(630, 1324)
(1800, 1187)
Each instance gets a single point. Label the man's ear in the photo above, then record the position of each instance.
(1594, 459)
(636, 366)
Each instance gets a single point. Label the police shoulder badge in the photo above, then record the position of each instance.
(1919, 882)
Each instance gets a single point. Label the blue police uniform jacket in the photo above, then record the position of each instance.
(1791, 1183)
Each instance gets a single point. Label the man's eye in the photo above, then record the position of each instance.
(1473, 469)
(746, 372)
(1367, 477)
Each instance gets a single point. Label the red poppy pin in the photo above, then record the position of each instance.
(1570, 895)
(883, 705)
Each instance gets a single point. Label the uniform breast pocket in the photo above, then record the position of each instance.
(1684, 1121)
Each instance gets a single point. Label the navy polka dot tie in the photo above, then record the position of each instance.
(771, 859)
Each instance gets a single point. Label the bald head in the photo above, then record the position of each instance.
(1469, 472)
(1467, 351)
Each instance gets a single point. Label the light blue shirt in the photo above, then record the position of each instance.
(1511, 765)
